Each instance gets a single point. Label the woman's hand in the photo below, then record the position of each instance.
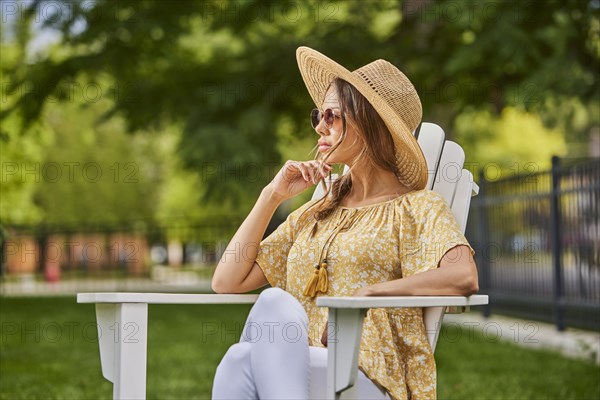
(296, 176)
(324, 336)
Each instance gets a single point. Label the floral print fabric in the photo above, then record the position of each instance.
(380, 242)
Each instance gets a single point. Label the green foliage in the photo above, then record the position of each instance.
(513, 142)
(18, 150)
(499, 53)
(224, 72)
(95, 172)
(73, 166)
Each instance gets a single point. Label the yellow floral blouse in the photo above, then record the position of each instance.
(373, 243)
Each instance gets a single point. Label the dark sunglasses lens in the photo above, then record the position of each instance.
(315, 117)
(329, 117)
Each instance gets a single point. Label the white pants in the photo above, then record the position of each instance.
(273, 359)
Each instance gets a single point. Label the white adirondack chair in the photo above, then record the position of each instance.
(124, 360)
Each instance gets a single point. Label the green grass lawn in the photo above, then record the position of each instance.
(49, 350)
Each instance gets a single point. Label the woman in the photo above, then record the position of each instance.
(377, 232)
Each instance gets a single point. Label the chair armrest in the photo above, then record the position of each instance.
(346, 315)
(401, 301)
(166, 298)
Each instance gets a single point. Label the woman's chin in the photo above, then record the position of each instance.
(332, 161)
(332, 158)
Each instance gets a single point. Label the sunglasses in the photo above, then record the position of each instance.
(316, 116)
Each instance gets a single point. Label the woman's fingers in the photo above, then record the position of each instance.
(318, 170)
(296, 176)
(312, 171)
(307, 171)
(324, 169)
(304, 170)
(295, 170)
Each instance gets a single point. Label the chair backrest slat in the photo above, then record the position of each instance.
(462, 199)
(449, 171)
(431, 140)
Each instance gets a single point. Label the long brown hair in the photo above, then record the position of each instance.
(377, 145)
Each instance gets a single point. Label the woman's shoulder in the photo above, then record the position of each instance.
(421, 205)
(423, 197)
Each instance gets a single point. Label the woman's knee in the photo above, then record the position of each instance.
(237, 355)
(273, 295)
(276, 312)
(273, 299)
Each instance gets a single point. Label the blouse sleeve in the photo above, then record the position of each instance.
(430, 232)
(273, 250)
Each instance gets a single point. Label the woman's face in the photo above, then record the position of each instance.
(348, 150)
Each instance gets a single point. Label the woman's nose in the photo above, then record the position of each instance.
(321, 129)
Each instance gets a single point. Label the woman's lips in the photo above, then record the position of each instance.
(323, 146)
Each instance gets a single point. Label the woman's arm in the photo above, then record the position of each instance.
(456, 276)
(239, 256)
(237, 271)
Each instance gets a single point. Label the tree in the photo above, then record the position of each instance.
(226, 71)
(96, 172)
(513, 143)
(17, 184)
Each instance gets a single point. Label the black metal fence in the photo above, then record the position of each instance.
(537, 243)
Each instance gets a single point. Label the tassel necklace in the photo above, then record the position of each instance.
(319, 280)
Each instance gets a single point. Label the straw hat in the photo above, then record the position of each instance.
(391, 94)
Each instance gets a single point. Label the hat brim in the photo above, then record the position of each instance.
(318, 71)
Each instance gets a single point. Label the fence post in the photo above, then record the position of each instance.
(555, 222)
(484, 256)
